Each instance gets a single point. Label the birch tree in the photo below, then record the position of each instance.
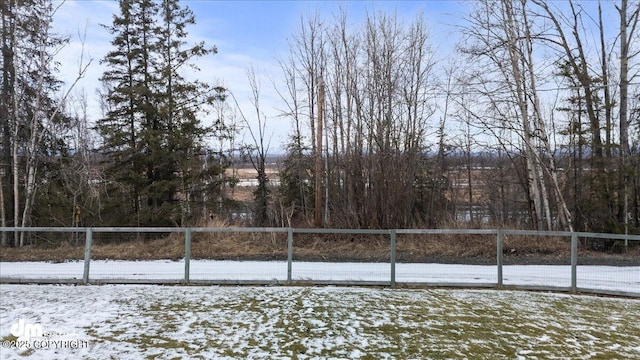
(629, 15)
(594, 82)
(501, 34)
(29, 90)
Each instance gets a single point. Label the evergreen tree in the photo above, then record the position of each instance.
(123, 125)
(181, 101)
(152, 131)
(295, 190)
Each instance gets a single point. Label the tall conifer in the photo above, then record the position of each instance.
(153, 132)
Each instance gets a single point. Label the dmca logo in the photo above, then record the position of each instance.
(25, 331)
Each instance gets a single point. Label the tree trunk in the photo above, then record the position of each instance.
(625, 40)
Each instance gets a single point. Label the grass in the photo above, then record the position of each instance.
(305, 323)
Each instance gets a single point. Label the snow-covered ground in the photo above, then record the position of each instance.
(193, 322)
(613, 278)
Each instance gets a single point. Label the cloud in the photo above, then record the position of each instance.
(83, 19)
(246, 33)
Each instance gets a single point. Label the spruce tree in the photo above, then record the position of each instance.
(153, 133)
(182, 104)
(127, 103)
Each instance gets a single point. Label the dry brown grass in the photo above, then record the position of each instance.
(239, 246)
(416, 247)
(340, 247)
(30, 253)
(321, 247)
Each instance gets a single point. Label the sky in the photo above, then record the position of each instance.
(246, 34)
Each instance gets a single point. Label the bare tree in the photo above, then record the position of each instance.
(628, 25)
(501, 36)
(257, 152)
(77, 179)
(33, 110)
(378, 88)
(294, 188)
(566, 37)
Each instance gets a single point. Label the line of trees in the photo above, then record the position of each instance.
(145, 162)
(533, 121)
(379, 87)
(553, 112)
(35, 125)
(519, 48)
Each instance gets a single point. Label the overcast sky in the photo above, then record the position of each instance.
(246, 33)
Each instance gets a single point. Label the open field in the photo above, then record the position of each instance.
(163, 322)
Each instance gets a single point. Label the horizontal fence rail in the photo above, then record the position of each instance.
(570, 276)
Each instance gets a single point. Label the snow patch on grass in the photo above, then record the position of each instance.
(164, 322)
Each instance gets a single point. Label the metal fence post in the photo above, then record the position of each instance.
(187, 254)
(289, 253)
(393, 258)
(499, 256)
(87, 254)
(574, 262)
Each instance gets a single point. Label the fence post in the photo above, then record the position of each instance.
(393, 258)
(289, 253)
(87, 254)
(574, 262)
(499, 256)
(187, 254)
